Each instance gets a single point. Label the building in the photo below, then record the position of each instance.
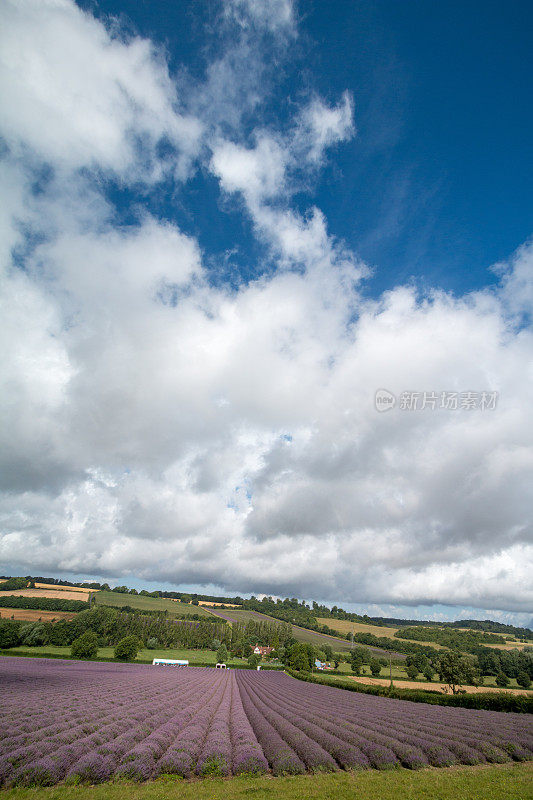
(259, 650)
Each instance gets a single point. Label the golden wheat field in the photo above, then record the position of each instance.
(34, 614)
(58, 594)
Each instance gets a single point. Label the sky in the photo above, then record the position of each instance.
(266, 300)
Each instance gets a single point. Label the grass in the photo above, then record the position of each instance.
(490, 782)
(194, 656)
(175, 609)
(344, 626)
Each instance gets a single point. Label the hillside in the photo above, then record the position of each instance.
(173, 607)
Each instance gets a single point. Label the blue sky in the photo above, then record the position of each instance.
(224, 226)
(435, 186)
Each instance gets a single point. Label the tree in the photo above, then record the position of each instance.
(502, 679)
(455, 669)
(33, 634)
(300, 656)
(215, 644)
(253, 660)
(222, 654)
(375, 667)
(428, 672)
(328, 652)
(356, 661)
(523, 679)
(8, 635)
(412, 671)
(127, 648)
(85, 646)
(152, 643)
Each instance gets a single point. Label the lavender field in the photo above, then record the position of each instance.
(89, 722)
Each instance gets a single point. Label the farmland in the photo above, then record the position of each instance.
(57, 594)
(88, 722)
(34, 614)
(299, 633)
(143, 603)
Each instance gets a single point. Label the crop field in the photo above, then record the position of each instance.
(34, 614)
(58, 594)
(438, 687)
(56, 587)
(89, 721)
(173, 607)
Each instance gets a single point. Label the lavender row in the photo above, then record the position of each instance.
(389, 732)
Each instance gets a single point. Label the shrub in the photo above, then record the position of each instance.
(34, 634)
(152, 644)
(222, 654)
(9, 636)
(502, 679)
(127, 648)
(412, 672)
(375, 667)
(85, 646)
(254, 660)
(523, 680)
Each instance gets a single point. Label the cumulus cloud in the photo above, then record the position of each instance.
(79, 96)
(160, 427)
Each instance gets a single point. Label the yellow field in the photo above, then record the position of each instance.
(58, 594)
(55, 587)
(437, 686)
(207, 603)
(34, 614)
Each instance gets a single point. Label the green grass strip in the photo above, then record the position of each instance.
(491, 782)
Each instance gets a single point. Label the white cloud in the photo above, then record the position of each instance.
(320, 126)
(276, 16)
(79, 97)
(155, 425)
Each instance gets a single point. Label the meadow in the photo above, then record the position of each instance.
(173, 607)
(143, 656)
(88, 722)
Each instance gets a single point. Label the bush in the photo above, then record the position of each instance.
(34, 634)
(222, 654)
(428, 673)
(523, 680)
(412, 672)
(85, 646)
(502, 679)
(254, 660)
(152, 644)
(9, 636)
(127, 648)
(375, 667)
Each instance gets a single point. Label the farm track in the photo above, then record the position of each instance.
(88, 722)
